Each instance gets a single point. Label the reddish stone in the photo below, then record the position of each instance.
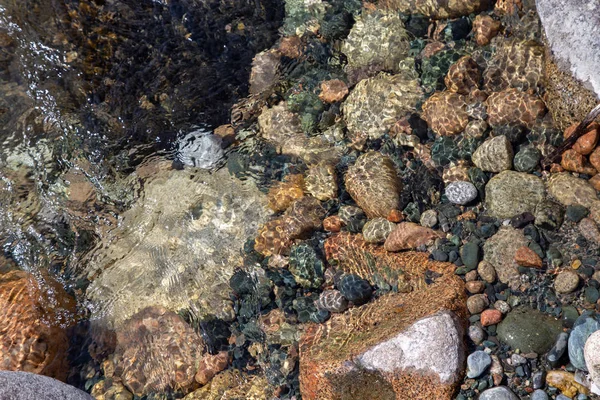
(332, 224)
(432, 48)
(575, 162)
(485, 28)
(210, 366)
(291, 46)
(586, 143)
(409, 235)
(333, 91)
(526, 257)
(595, 158)
(556, 168)
(475, 287)
(490, 317)
(395, 216)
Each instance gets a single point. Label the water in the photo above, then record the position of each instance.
(94, 97)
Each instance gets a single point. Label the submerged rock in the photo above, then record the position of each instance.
(35, 313)
(584, 327)
(408, 235)
(513, 107)
(500, 249)
(461, 192)
(517, 64)
(374, 184)
(512, 193)
(498, 393)
(446, 113)
(377, 230)
(375, 104)
(189, 227)
(494, 155)
(529, 330)
(436, 9)
(200, 149)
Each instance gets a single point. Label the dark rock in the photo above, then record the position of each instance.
(470, 255)
(558, 350)
(529, 330)
(522, 220)
(306, 266)
(457, 29)
(576, 213)
(355, 289)
(527, 159)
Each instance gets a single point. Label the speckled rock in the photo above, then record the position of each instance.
(283, 194)
(477, 303)
(526, 257)
(498, 393)
(25, 386)
(377, 230)
(376, 103)
(461, 192)
(490, 317)
(575, 162)
(277, 235)
(383, 34)
(486, 271)
(529, 330)
(264, 71)
(516, 64)
(35, 313)
(485, 29)
(476, 334)
(527, 159)
(512, 193)
(500, 249)
(389, 343)
(595, 158)
(494, 155)
(429, 218)
(589, 230)
(332, 301)
(321, 182)
(463, 76)
(549, 214)
(436, 9)
(566, 281)
(446, 113)
(232, 384)
(373, 183)
(512, 106)
(157, 350)
(408, 235)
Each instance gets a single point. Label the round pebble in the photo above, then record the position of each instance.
(490, 317)
(355, 289)
(476, 334)
(429, 218)
(461, 192)
(470, 254)
(474, 287)
(477, 363)
(591, 294)
(502, 306)
(486, 271)
(498, 393)
(477, 303)
(566, 282)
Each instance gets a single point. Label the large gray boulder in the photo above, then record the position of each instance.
(27, 386)
(574, 37)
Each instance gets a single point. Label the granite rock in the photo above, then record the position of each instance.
(494, 155)
(26, 386)
(500, 249)
(512, 193)
(461, 192)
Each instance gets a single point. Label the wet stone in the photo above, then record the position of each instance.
(461, 192)
(539, 394)
(429, 218)
(477, 303)
(470, 254)
(566, 282)
(332, 301)
(477, 363)
(584, 326)
(512, 193)
(355, 289)
(558, 350)
(494, 155)
(377, 230)
(498, 393)
(476, 334)
(549, 215)
(306, 266)
(529, 330)
(527, 159)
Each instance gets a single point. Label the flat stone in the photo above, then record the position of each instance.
(498, 393)
(512, 193)
(408, 235)
(566, 281)
(583, 328)
(470, 254)
(526, 257)
(500, 249)
(25, 386)
(477, 363)
(529, 330)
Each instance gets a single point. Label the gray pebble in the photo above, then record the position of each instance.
(538, 379)
(539, 395)
(429, 218)
(498, 393)
(557, 351)
(563, 397)
(502, 306)
(461, 192)
(200, 149)
(476, 334)
(477, 363)
(518, 359)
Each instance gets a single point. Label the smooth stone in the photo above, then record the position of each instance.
(538, 379)
(585, 325)
(498, 393)
(500, 249)
(539, 394)
(494, 155)
(529, 330)
(566, 281)
(569, 316)
(591, 354)
(200, 149)
(476, 334)
(461, 192)
(477, 363)
(527, 159)
(559, 348)
(429, 218)
(470, 254)
(513, 193)
(27, 386)
(563, 397)
(377, 230)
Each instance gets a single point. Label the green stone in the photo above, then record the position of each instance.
(527, 159)
(591, 294)
(529, 330)
(306, 266)
(471, 255)
(576, 212)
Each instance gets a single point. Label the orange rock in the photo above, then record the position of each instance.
(490, 317)
(432, 48)
(508, 7)
(210, 365)
(467, 216)
(556, 168)
(595, 158)
(227, 133)
(526, 257)
(332, 224)
(485, 28)
(463, 76)
(409, 235)
(333, 91)
(575, 162)
(475, 287)
(586, 143)
(565, 382)
(595, 182)
(395, 216)
(284, 193)
(35, 313)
